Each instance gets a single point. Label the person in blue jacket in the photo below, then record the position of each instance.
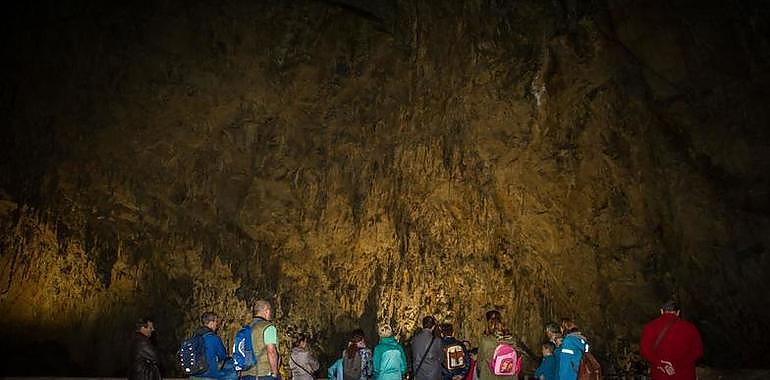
(389, 357)
(553, 333)
(570, 352)
(548, 368)
(220, 366)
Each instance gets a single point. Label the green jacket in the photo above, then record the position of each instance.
(389, 360)
(262, 367)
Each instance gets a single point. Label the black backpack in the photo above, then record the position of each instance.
(351, 367)
(192, 355)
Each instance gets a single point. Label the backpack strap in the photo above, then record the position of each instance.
(301, 367)
(432, 338)
(663, 333)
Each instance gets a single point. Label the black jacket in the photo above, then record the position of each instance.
(144, 359)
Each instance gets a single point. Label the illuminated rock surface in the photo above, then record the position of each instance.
(379, 162)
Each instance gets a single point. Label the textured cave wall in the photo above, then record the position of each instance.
(363, 164)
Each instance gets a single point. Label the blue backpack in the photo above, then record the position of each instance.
(192, 355)
(243, 349)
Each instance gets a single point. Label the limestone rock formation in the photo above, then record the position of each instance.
(370, 163)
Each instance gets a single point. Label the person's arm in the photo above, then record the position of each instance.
(376, 361)
(645, 345)
(220, 351)
(270, 337)
(312, 362)
(403, 360)
(147, 352)
(272, 357)
(696, 346)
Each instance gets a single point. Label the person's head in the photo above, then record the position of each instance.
(263, 309)
(552, 330)
(145, 326)
(355, 343)
(300, 341)
(445, 329)
(670, 307)
(568, 326)
(557, 341)
(210, 320)
(494, 322)
(385, 331)
(548, 348)
(428, 322)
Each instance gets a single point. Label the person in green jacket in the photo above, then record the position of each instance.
(389, 357)
(495, 334)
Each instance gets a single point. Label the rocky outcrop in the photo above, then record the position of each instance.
(543, 159)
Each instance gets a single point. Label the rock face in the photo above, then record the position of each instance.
(366, 162)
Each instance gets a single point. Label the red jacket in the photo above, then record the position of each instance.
(675, 356)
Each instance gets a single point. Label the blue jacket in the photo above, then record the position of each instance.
(389, 360)
(570, 352)
(547, 369)
(446, 374)
(335, 370)
(216, 356)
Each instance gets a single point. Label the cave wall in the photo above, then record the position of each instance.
(541, 158)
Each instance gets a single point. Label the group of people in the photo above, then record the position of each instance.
(669, 344)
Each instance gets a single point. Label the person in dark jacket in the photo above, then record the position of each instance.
(144, 356)
(426, 352)
(456, 361)
(671, 345)
(220, 366)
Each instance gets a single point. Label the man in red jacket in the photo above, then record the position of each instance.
(671, 345)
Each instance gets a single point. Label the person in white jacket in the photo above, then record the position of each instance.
(302, 362)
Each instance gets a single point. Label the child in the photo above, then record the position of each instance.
(547, 369)
(456, 361)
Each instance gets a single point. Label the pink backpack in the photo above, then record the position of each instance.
(505, 361)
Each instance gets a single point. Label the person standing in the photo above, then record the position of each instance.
(302, 362)
(144, 355)
(494, 335)
(671, 345)
(553, 333)
(264, 338)
(571, 350)
(547, 369)
(426, 351)
(456, 362)
(357, 358)
(389, 357)
(219, 366)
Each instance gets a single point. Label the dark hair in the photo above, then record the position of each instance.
(299, 339)
(568, 326)
(350, 352)
(446, 329)
(208, 317)
(494, 323)
(142, 322)
(493, 314)
(552, 327)
(550, 346)
(428, 322)
(670, 306)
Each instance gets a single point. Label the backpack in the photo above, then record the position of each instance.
(351, 367)
(589, 369)
(192, 355)
(505, 361)
(454, 356)
(243, 349)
